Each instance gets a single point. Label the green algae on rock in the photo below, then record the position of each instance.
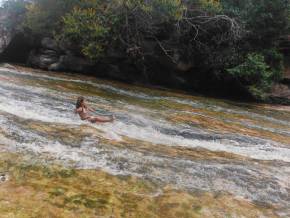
(37, 190)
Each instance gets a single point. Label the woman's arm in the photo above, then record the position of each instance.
(78, 110)
(91, 109)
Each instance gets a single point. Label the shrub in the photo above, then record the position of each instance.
(255, 74)
(275, 61)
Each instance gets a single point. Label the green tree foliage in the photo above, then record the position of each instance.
(256, 74)
(166, 9)
(268, 20)
(275, 60)
(253, 70)
(264, 20)
(211, 6)
(91, 27)
(97, 24)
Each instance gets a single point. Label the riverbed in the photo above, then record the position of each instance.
(192, 144)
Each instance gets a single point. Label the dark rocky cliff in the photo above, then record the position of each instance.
(47, 54)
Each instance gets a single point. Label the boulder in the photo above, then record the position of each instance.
(49, 43)
(280, 94)
(8, 66)
(281, 91)
(55, 67)
(43, 58)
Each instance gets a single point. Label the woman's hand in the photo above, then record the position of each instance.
(112, 118)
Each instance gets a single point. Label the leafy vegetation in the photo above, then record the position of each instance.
(224, 38)
(254, 73)
(85, 26)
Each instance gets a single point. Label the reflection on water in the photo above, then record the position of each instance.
(193, 143)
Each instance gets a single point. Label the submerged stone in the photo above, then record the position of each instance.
(3, 177)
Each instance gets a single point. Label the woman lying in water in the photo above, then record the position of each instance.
(83, 110)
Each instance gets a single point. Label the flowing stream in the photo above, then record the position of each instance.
(190, 142)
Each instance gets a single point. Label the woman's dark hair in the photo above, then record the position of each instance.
(79, 102)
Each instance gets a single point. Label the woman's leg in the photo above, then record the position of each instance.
(98, 119)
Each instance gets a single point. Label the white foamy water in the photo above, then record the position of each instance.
(48, 105)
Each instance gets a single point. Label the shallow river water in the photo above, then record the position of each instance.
(189, 142)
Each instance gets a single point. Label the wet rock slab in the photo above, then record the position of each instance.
(193, 153)
(54, 191)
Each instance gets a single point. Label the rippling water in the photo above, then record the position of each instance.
(190, 142)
